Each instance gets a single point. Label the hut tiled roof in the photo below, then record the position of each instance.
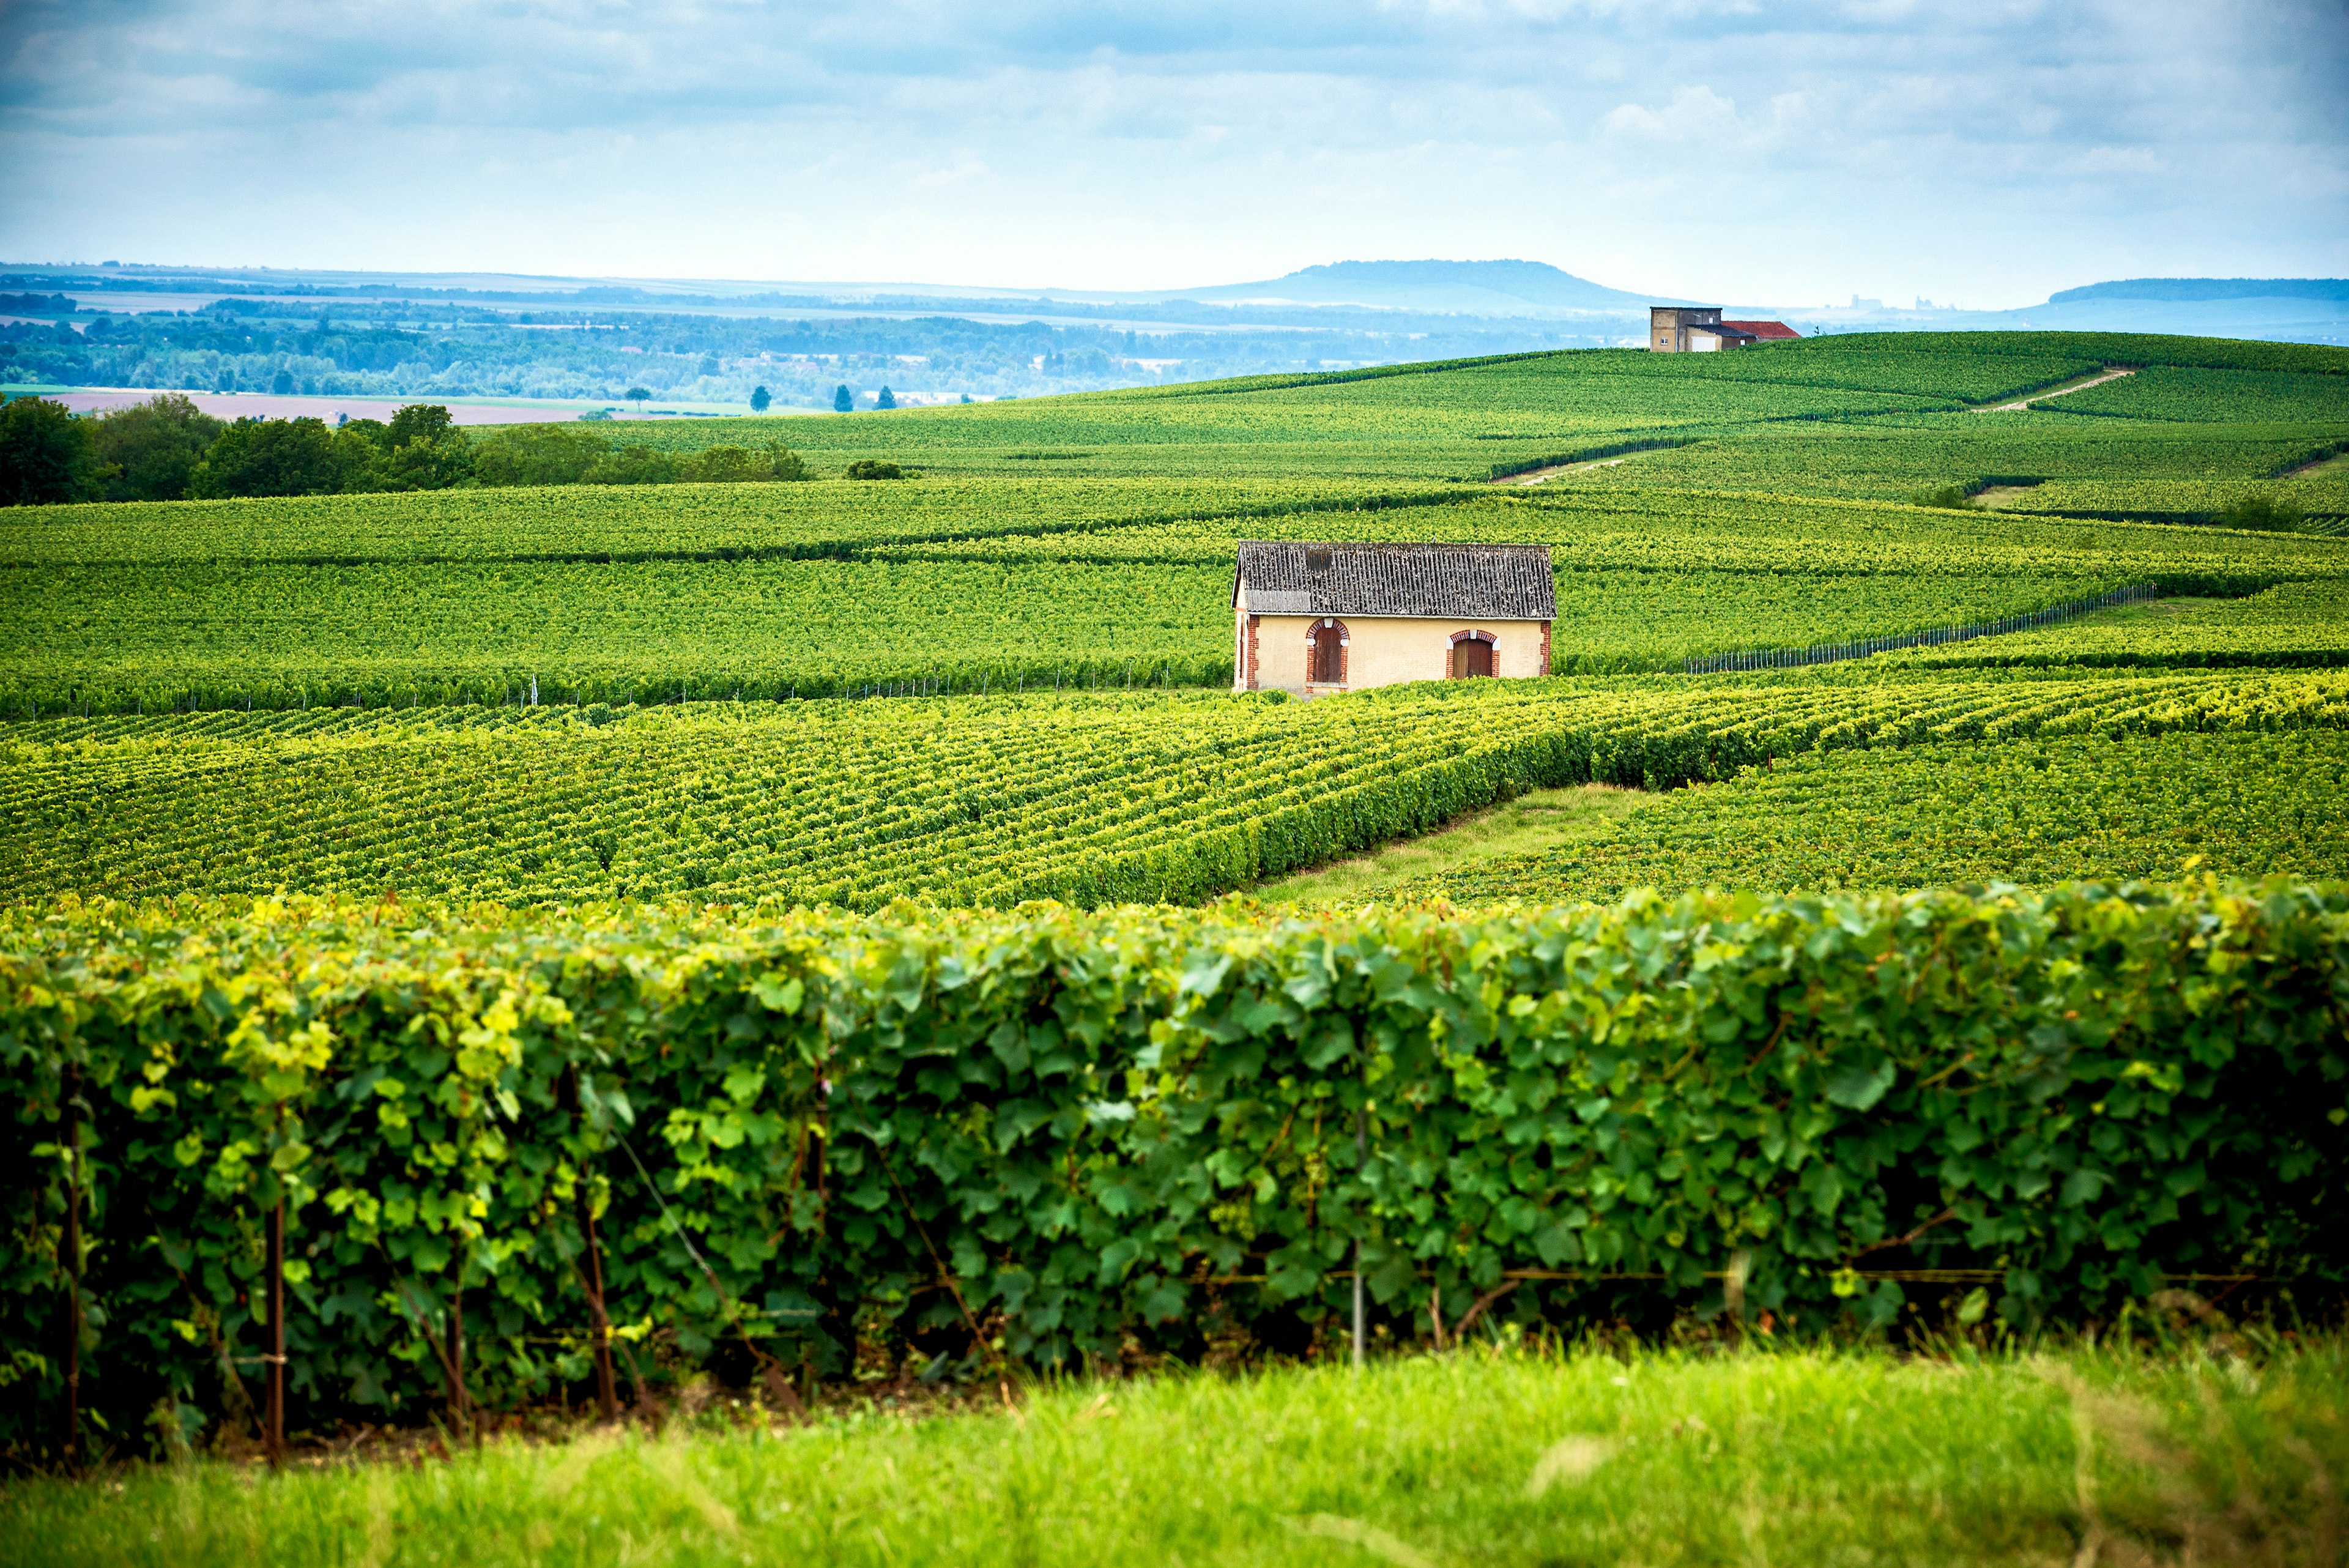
(1767, 331)
(1449, 582)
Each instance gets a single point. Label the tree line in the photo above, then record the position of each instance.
(167, 449)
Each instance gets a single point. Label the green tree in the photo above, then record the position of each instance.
(759, 400)
(431, 464)
(358, 453)
(423, 421)
(422, 449)
(46, 455)
(873, 468)
(842, 401)
(638, 395)
(887, 399)
(149, 449)
(271, 457)
(282, 383)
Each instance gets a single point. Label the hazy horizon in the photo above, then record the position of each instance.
(1980, 156)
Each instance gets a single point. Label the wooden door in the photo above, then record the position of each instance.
(1325, 659)
(1469, 659)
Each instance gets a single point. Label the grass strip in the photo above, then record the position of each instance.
(1501, 1455)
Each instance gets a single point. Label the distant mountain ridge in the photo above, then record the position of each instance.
(1465, 287)
(2194, 290)
(1368, 310)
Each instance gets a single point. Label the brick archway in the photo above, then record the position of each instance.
(1474, 653)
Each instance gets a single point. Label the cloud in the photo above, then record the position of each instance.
(1696, 116)
(1125, 143)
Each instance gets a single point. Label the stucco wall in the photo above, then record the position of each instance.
(1381, 650)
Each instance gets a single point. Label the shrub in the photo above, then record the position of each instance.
(539, 454)
(1954, 497)
(873, 468)
(2274, 513)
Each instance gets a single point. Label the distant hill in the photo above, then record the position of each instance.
(2195, 290)
(1468, 289)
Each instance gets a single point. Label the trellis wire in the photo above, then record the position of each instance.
(1934, 637)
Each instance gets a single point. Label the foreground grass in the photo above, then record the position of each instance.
(1788, 1457)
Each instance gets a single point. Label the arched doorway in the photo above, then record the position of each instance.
(1325, 653)
(1472, 654)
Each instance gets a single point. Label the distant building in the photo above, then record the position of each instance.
(1699, 330)
(1316, 619)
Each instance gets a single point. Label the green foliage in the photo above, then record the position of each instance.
(870, 468)
(842, 400)
(1134, 1128)
(885, 399)
(46, 455)
(760, 398)
(149, 449)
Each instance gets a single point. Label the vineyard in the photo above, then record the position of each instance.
(1091, 798)
(759, 593)
(2093, 808)
(492, 887)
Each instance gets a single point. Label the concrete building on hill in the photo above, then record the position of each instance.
(1324, 619)
(1699, 330)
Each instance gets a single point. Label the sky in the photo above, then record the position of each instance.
(1981, 154)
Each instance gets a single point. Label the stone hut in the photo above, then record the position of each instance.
(1317, 619)
(1700, 329)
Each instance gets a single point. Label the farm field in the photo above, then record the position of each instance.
(1510, 1458)
(864, 904)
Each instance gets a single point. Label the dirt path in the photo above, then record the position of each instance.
(1997, 496)
(2055, 392)
(1535, 476)
(2338, 460)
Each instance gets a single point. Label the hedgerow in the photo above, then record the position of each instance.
(1043, 1137)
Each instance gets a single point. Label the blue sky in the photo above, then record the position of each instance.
(1981, 154)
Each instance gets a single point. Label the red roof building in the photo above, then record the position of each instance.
(1765, 331)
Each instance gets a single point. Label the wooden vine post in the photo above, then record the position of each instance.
(599, 1324)
(71, 1249)
(1362, 1165)
(274, 1425)
(453, 1364)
